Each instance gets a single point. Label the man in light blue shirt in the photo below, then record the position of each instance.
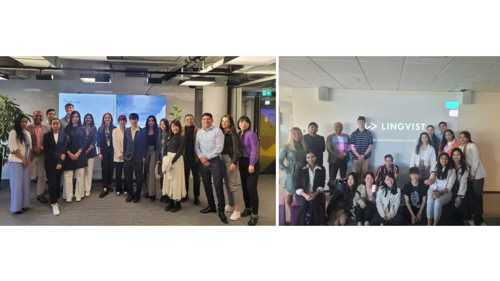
(208, 147)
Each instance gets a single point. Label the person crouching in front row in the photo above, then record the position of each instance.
(309, 193)
(388, 200)
(174, 186)
(341, 201)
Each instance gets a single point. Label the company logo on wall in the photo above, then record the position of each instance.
(396, 126)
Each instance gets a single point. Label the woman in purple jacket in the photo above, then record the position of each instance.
(249, 169)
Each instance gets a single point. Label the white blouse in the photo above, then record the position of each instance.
(117, 135)
(473, 161)
(427, 156)
(15, 145)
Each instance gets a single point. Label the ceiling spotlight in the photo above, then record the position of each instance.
(96, 78)
(199, 81)
(4, 76)
(44, 76)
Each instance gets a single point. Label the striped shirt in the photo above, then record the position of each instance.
(361, 140)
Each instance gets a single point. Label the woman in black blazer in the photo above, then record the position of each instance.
(310, 197)
(54, 144)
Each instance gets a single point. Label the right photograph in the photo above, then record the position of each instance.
(389, 141)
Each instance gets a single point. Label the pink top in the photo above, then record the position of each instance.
(448, 148)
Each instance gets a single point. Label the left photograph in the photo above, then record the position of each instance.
(137, 140)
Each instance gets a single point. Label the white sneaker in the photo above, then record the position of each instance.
(235, 216)
(69, 200)
(78, 199)
(469, 222)
(55, 209)
(87, 194)
(228, 209)
(118, 194)
(360, 223)
(367, 223)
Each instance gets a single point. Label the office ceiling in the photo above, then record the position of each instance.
(392, 73)
(231, 71)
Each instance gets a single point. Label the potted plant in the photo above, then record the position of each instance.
(9, 111)
(175, 112)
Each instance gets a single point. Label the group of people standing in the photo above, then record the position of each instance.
(161, 156)
(445, 185)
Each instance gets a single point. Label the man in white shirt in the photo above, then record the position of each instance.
(208, 147)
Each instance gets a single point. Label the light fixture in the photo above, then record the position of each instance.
(198, 81)
(44, 76)
(154, 80)
(4, 76)
(96, 78)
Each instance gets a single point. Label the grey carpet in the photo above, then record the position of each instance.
(113, 210)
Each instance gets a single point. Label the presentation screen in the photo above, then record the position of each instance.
(98, 104)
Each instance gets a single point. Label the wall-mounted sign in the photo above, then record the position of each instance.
(396, 126)
(267, 92)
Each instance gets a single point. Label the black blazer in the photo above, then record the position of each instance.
(303, 178)
(52, 150)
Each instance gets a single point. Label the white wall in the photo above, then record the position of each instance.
(302, 106)
(215, 102)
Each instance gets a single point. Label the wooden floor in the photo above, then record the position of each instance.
(113, 210)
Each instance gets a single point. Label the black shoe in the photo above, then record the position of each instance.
(246, 212)
(208, 210)
(163, 199)
(222, 217)
(129, 198)
(145, 195)
(137, 198)
(152, 198)
(25, 209)
(253, 220)
(177, 207)
(169, 206)
(184, 199)
(104, 192)
(41, 198)
(18, 212)
(196, 201)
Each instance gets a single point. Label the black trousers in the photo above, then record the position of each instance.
(337, 165)
(396, 220)
(311, 212)
(192, 166)
(406, 216)
(118, 166)
(107, 167)
(366, 214)
(249, 184)
(54, 181)
(476, 200)
(134, 167)
(214, 171)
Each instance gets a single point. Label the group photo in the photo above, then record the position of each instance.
(138, 140)
(388, 141)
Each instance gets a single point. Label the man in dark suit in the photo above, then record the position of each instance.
(309, 194)
(134, 153)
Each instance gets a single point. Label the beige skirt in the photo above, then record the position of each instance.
(173, 177)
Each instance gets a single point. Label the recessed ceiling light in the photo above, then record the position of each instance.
(198, 82)
(97, 78)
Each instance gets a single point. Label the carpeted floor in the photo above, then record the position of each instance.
(113, 210)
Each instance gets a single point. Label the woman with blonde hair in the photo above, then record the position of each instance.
(291, 159)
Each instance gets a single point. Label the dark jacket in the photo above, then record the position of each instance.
(342, 196)
(101, 139)
(134, 149)
(318, 181)
(53, 151)
(235, 149)
(76, 141)
(90, 141)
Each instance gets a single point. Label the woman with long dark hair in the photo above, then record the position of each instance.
(153, 190)
(340, 205)
(18, 162)
(54, 144)
(364, 200)
(105, 143)
(231, 156)
(164, 133)
(76, 159)
(90, 151)
(477, 176)
(459, 189)
(424, 156)
(174, 187)
(249, 169)
(449, 142)
(440, 183)
(388, 202)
